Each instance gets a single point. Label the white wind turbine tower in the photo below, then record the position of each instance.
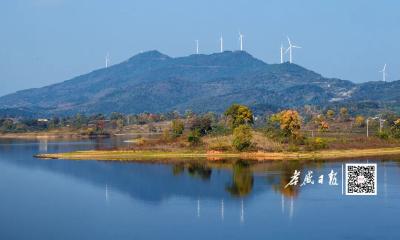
(241, 41)
(107, 60)
(383, 73)
(197, 46)
(291, 46)
(281, 53)
(221, 42)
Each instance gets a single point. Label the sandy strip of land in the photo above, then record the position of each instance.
(130, 155)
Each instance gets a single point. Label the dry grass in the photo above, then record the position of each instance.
(218, 143)
(154, 156)
(266, 144)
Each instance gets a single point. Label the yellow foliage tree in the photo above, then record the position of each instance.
(344, 113)
(290, 123)
(330, 114)
(238, 115)
(359, 121)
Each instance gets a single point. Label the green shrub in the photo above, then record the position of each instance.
(242, 137)
(293, 148)
(316, 143)
(177, 127)
(220, 130)
(383, 135)
(194, 137)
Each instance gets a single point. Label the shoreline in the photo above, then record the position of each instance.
(38, 135)
(163, 156)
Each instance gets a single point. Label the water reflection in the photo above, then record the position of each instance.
(43, 145)
(199, 170)
(242, 197)
(242, 174)
(242, 179)
(226, 180)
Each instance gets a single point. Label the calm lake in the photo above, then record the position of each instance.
(60, 199)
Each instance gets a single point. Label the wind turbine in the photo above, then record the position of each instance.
(281, 53)
(221, 41)
(107, 60)
(291, 46)
(197, 46)
(241, 41)
(383, 73)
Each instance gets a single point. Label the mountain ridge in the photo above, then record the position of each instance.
(155, 82)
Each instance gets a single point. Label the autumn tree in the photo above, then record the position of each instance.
(238, 115)
(395, 129)
(359, 121)
(323, 126)
(290, 123)
(330, 114)
(321, 123)
(344, 114)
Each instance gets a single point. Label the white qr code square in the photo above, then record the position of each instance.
(361, 179)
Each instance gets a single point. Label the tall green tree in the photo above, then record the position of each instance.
(242, 137)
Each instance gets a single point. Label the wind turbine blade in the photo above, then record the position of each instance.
(287, 49)
(296, 46)
(290, 44)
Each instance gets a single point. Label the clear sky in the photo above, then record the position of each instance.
(48, 41)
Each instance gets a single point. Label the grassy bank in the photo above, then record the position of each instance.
(162, 156)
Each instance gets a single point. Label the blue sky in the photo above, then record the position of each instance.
(49, 41)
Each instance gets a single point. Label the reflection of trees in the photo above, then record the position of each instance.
(288, 169)
(178, 169)
(197, 170)
(242, 180)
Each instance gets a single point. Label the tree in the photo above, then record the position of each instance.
(395, 129)
(80, 120)
(359, 121)
(116, 116)
(238, 115)
(202, 123)
(344, 114)
(290, 123)
(100, 126)
(321, 123)
(242, 137)
(323, 126)
(330, 114)
(177, 127)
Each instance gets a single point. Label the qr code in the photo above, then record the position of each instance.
(361, 179)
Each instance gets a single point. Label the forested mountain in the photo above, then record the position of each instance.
(154, 82)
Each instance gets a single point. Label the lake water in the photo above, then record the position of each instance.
(59, 199)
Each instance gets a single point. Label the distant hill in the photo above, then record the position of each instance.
(155, 82)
